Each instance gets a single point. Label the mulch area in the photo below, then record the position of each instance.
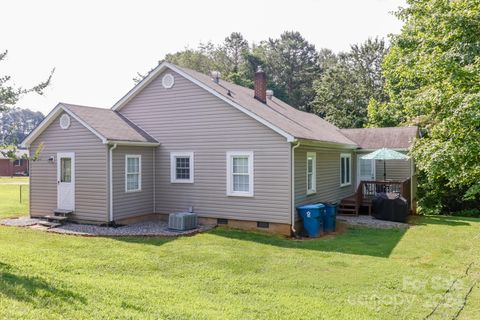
(371, 222)
(146, 228)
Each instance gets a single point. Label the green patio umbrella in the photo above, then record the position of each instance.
(385, 154)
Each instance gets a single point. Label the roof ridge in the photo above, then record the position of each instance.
(385, 128)
(83, 106)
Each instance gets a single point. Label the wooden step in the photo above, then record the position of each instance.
(62, 212)
(348, 206)
(56, 218)
(343, 204)
(49, 224)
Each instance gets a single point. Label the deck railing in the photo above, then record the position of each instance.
(369, 189)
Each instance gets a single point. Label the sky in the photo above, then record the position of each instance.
(97, 47)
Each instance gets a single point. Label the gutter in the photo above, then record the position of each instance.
(134, 143)
(110, 182)
(292, 186)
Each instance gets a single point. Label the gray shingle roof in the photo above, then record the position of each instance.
(299, 124)
(110, 124)
(376, 138)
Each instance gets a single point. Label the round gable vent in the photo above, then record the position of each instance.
(168, 81)
(64, 121)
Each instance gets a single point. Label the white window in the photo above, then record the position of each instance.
(181, 167)
(133, 173)
(311, 172)
(345, 169)
(18, 163)
(240, 173)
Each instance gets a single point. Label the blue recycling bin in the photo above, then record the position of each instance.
(330, 217)
(312, 216)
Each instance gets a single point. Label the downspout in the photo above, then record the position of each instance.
(292, 182)
(154, 181)
(110, 182)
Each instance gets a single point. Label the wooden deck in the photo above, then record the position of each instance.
(367, 190)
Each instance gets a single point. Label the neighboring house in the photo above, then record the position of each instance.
(180, 140)
(9, 167)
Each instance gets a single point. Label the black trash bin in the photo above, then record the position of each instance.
(391, 207)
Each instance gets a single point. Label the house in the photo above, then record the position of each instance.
(18, 167)
(181, 140)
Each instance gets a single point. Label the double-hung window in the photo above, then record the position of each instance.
(311, 172)
(181, 167)
(345, 169)
(240, 173)
(133, 173)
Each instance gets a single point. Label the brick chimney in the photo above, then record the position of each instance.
(260, 85)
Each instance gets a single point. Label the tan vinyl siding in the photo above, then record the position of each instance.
(90, 171)
(186, 118)
(130, 204)
(396, 169)
(327, 176)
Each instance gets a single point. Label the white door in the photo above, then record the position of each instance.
(366, 169)
(66, 180)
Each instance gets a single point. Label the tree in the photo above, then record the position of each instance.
(349, 82)
(9, 94)
(16, 124)
(292, 65)
(432, 76)
(338, 96)
(235, 47)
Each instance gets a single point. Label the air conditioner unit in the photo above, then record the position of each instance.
(182, 220)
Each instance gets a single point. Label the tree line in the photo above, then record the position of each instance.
(16, 124)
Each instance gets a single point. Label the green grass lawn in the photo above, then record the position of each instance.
(229, 274)
(10, 205)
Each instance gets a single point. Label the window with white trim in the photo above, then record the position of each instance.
(133, 173)
(240, 173)
(311, 172)
(345, 169)
(18, 163)
(181, 167)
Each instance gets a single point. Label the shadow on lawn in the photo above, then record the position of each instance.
(33, 290)
(151, 240)
(442, 220)
(357, 240)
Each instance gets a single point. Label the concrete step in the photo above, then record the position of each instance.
(56, 218)
(62, 212)
(49, 224)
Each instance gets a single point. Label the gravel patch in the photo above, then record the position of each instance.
(147, 228)
(368, 221)
(19, 222)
